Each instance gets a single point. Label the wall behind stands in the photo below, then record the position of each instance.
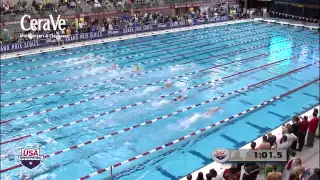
(309, 2)
(303, 8)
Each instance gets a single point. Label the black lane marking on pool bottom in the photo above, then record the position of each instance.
(244, 102)
(255, 78)
(282, 117)
(166, 173)
(237, 144)
(262, 130)
(310, 95)
(283, 87)
(299, 80)
(201, 156)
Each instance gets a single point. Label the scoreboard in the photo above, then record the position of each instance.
(222, 155)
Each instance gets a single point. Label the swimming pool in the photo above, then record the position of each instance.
(85, 117)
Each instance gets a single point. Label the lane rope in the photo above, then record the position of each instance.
(95, 62)
(136, 104)
(145, 72)
(92, 49)
(199, 131)
(104, 96)
(168, 115)
(101, 83)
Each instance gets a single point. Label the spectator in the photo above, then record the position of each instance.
(315, 175)
(289, 166)
(271, 139)
(283, 145)
(313, 125)
(215, 175)
(274, 175)
(265, 144)
(253, 145)
(251, 171)
(291, 138)
(303, 126)
(189, 177)
(200, 176)
(231, 173)
(293, 177)
(298, 168)
(208, 176)
(295, 131)
(68, 31)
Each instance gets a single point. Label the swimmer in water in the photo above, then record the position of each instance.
(114, 66)
(213, 110)
(192, 119)
(136, 68)
(179, 98)
(168, 84)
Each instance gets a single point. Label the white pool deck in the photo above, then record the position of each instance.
(310, 156)
(145, 34)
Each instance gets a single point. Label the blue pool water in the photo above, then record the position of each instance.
(36, 92)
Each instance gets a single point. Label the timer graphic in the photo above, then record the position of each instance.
(243, 155)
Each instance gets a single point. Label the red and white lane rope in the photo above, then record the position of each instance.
(104, 96)
(101, 83)
(136, 104)
(198, 132)
(92, 49)
(138, 74)
(113, 60)
(102, 62)
(159, 118)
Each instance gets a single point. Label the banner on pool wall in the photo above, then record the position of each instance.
(98, 35)
(23, 45)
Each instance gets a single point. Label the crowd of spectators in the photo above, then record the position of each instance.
(125, 20)
(292, 140)
(20, 8)
(38, 7)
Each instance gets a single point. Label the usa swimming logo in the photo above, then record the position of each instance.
(220, 155)
(30, 158)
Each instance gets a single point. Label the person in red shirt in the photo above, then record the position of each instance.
(303, 128)
(313, 125)
(231, 173)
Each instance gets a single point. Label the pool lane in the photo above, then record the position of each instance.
(96, 154)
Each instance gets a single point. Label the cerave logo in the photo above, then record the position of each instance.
(42, 24)
(30, 157)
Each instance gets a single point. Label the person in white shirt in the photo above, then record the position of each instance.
(283, 145)
(215, 175)
(290, 136)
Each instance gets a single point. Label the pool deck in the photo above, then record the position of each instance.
(117, 38)
(309, 156)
